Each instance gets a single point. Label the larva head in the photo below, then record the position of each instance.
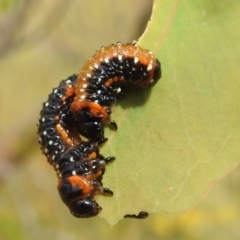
(83, 208)
(157, 71)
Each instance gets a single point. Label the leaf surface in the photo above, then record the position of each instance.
(177, 139)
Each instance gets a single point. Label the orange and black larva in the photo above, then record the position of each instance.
(99, 81)
(78, 164)
(81, 106)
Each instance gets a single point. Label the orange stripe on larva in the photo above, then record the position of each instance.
(64, 135)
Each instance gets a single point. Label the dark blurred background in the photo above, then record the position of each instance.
(41, 43)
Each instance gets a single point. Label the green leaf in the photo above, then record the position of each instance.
(177, 139)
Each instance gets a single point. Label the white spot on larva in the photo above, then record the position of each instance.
(55, 91)
(74, 173)
(46, 150)
(71, 159)
(96, 101)
(136, 60)
(99, 80)
(83, 97)
(95, 123)
(121, 67)
(144, 74)
(53, 157)
(84, 79)
(57, 166)
(68, 81)
(46, 104)
(134, 43)
(120, 57)
(106, 60)
(45, 133)
(60, 175)
(43, 119)
(84, 85)
(149, 67)
(50, 142)
(62, 150)
(119, 90)
(133, 68)
(101, 59)
(151, 81)
(89, 75)
(96, 65)
(114, 54)
(39, 139)
(56, 152)
(99, 91)
(82, 90)
(102, 162)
